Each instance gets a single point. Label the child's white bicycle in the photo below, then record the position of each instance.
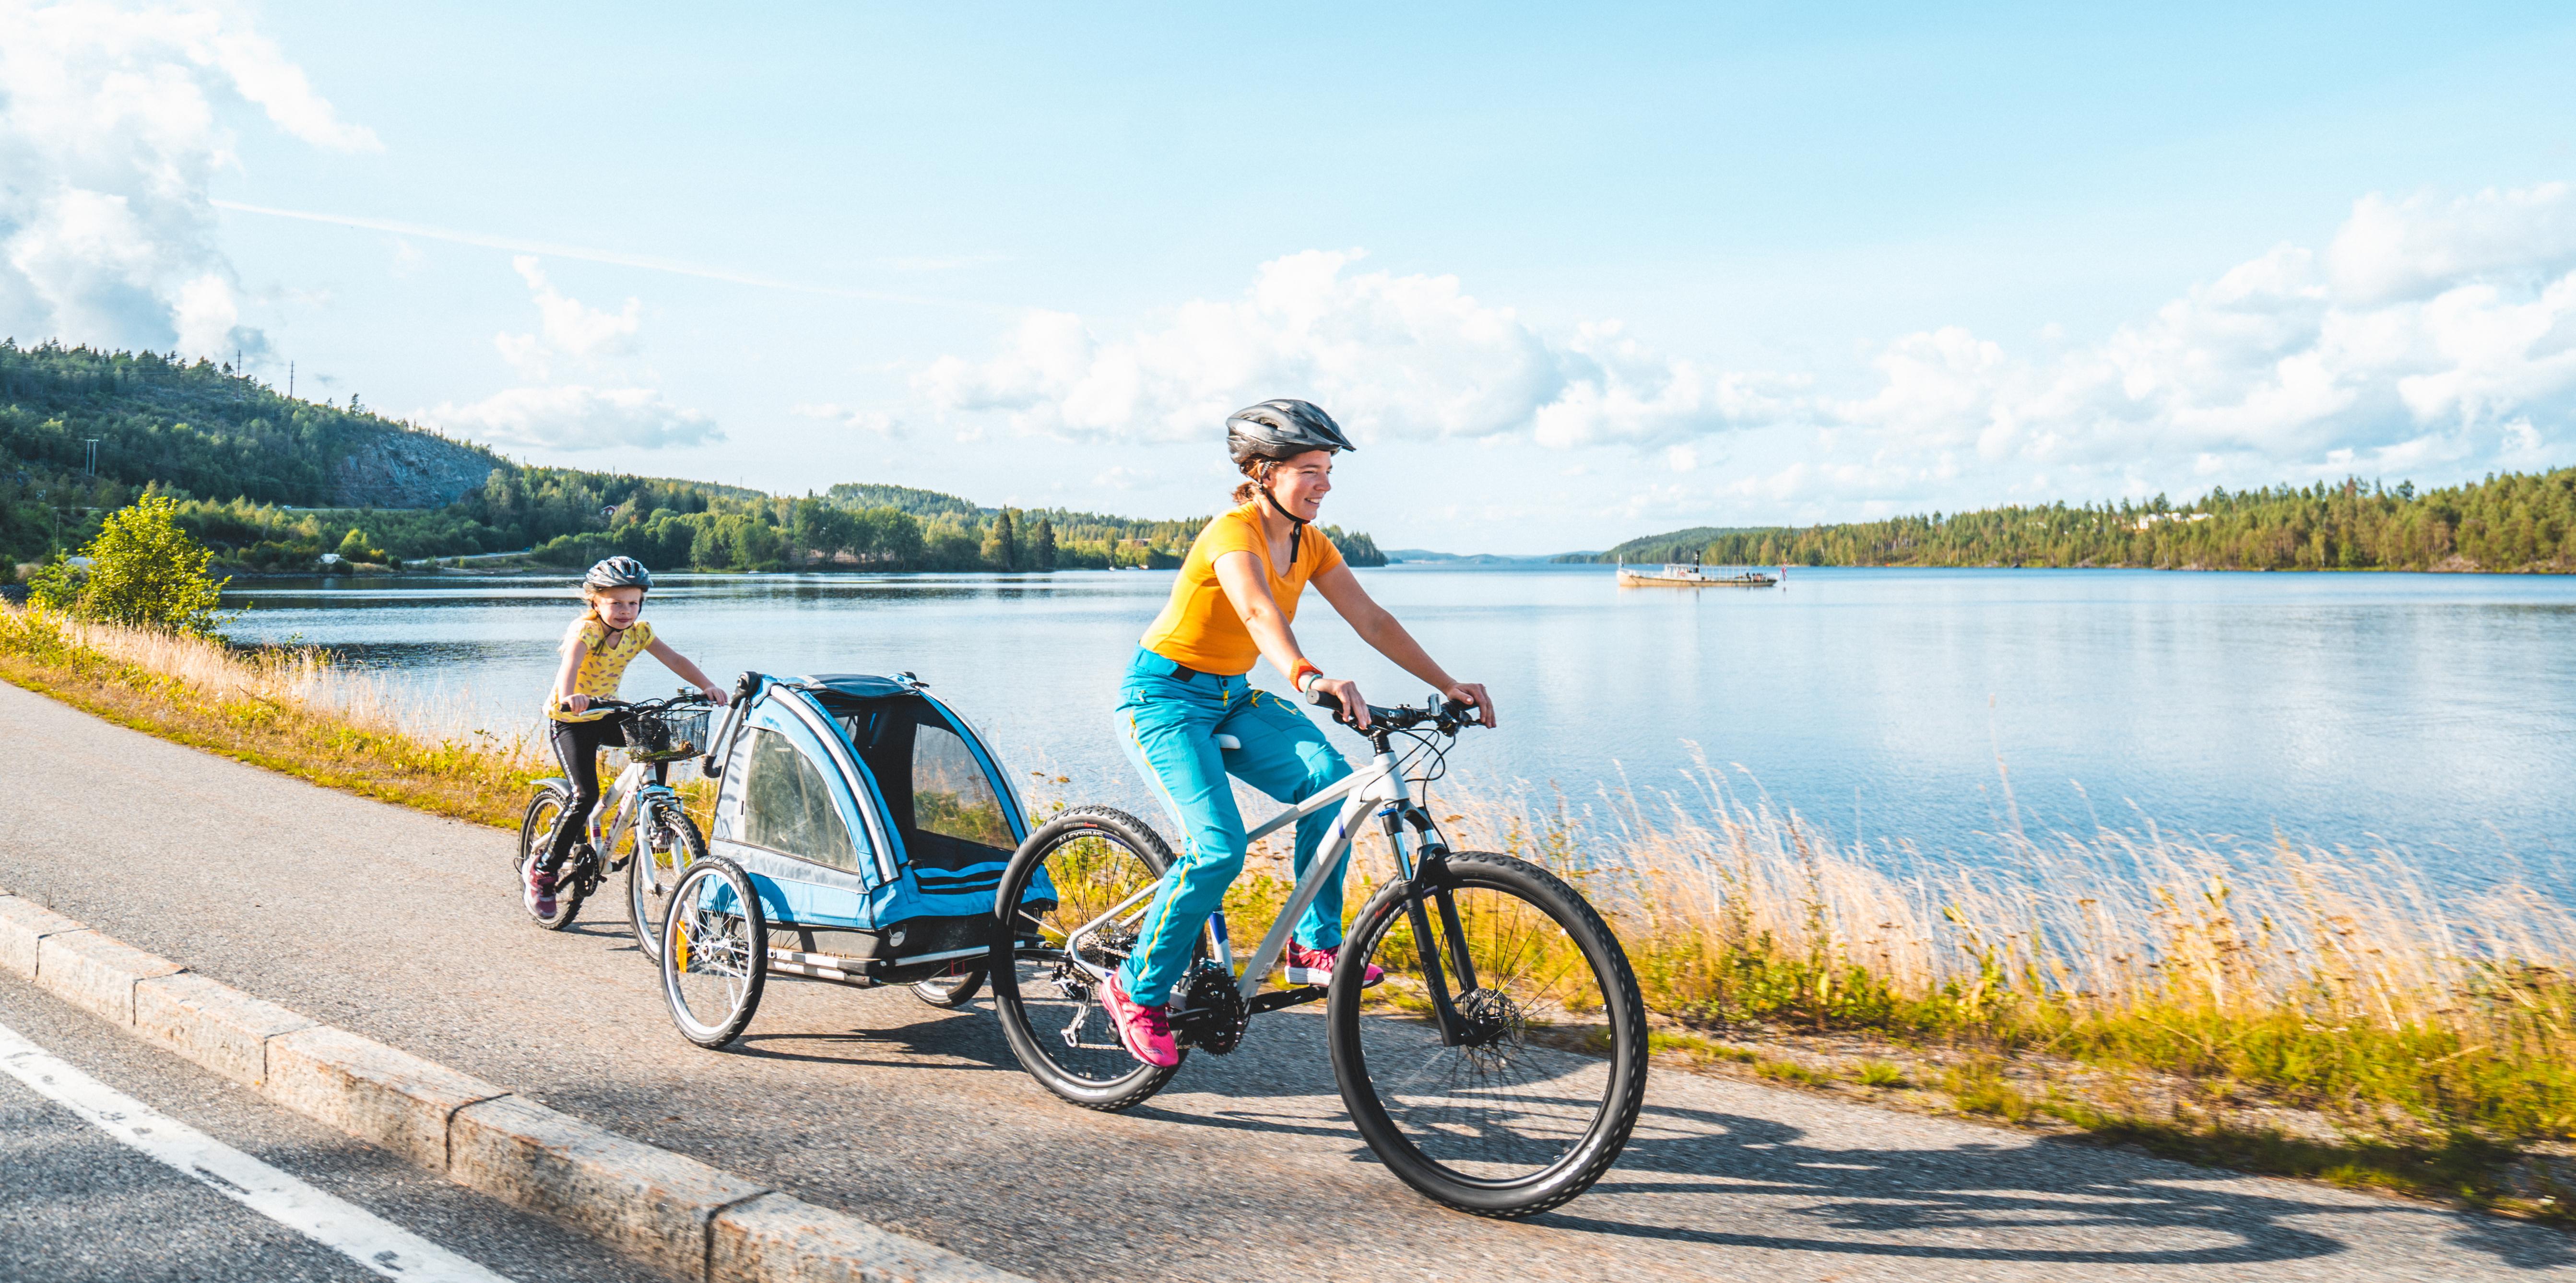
(1500, 1067)
(640, 824)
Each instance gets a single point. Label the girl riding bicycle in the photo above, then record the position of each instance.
(596, 650)
(1232, 605)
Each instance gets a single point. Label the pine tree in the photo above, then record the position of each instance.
(1042, 546)
(1002, 542)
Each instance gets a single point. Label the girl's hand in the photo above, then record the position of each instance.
(577, 702)
(1472, 693)
(1343, 689)
(714, 696)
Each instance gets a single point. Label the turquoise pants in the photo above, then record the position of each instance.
(1169, 718)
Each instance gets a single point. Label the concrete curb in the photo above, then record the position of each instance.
(682, 1217)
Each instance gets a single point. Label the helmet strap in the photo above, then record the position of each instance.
(1296, 524)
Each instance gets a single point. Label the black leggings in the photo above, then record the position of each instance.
(577, 746)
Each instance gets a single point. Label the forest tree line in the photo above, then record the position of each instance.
(2506, 522)
(85, 432)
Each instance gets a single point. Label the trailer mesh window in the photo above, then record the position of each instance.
(787, 807)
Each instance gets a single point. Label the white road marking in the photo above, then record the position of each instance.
(371, 1241)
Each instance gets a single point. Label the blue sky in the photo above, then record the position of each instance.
(1570, 275)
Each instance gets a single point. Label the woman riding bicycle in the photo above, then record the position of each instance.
(1232, 605)
(596, 650)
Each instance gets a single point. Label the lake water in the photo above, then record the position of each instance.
(2435, 713)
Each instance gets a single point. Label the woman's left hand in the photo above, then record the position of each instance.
(714, 696)
(1472, 693)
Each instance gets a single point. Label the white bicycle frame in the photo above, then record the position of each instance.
(622, 803)
(1378, 788)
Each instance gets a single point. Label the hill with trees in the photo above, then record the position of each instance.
(273, 483)
(2506, 522)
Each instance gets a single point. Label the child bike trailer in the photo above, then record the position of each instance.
(861, 829)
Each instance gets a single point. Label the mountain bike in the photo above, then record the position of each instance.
(1499, 1068)
(640, 825)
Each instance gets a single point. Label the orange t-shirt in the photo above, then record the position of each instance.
(1199, 627)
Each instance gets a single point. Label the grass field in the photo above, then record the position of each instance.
(2267, 1005)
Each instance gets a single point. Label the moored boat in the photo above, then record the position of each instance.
(1674, 574)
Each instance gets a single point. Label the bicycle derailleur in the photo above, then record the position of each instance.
(1210, 1013)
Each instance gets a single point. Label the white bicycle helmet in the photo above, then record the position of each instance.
(619, 572)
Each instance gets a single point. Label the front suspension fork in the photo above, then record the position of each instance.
(1445, 952)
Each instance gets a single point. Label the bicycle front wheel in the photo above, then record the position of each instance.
(1510, 1116)
(659, 847)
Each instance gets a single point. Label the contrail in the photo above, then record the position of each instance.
(646, 262)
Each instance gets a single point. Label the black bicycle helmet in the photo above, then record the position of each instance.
(619, 572)
(1281, 428)
(1275, 430)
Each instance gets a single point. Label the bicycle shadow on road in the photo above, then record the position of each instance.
(1917, 1202)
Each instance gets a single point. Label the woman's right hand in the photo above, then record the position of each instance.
(1347, 692)
(577, 702)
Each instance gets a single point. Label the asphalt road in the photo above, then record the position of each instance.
(76, 1204)
(404, 927)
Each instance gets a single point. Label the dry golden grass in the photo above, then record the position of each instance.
(287, 709)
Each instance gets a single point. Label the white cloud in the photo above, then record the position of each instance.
(862, 419)
(2435, 336)
(2430, 334)
(576, 417)
(112, 124)
(1393, 357)
(567, 330)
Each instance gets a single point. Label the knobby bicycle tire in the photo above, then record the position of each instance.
(1002, 972)
(1623, 1010)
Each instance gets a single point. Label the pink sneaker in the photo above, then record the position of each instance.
(1147, 1031)
(1315, 967)
(541, 892)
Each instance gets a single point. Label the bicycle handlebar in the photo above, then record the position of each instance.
(1443, 716)
(647, 705)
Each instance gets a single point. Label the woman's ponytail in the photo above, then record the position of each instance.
(1258, 471)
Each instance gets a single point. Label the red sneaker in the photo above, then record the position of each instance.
(1315, 967)
(1147, 1031)
(541, 892)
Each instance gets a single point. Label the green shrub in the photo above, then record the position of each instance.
(144, 572)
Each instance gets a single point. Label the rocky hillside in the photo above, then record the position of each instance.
(139, 419)
(400, 468)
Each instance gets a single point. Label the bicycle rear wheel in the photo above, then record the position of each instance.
(546, 808)
(1093, 860)
(1513, 1120)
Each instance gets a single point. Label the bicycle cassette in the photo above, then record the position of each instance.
(1210, 1014)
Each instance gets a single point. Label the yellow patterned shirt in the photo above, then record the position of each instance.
(603, 667)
